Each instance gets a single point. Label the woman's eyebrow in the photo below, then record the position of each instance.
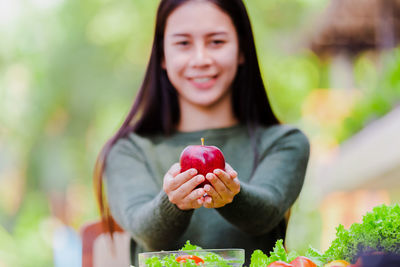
(207, 35)
(180, 35)
(217, 33)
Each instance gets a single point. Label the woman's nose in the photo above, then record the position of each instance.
(200, 57)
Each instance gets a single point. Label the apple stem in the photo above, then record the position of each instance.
(202, 141)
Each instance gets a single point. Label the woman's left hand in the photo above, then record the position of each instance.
(224, 186)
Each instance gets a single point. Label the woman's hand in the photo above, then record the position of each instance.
(180, 188)
(225, 185)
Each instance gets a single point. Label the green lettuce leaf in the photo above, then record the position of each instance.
(189, 246)
(379, 231)
(317, 257)
(259, 259)
(215, 260)
(279, 252)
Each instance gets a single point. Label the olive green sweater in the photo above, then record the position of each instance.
(136, 166)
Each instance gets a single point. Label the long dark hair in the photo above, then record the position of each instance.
(156, 108)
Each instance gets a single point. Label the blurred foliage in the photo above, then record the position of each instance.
(381, 92)
(69, 71)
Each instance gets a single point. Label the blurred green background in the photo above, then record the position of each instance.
(69, 72)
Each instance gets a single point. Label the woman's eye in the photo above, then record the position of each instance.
(183, 43)
(217, 42)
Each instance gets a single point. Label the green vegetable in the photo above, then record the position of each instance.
(317, 257)
(168, 261)
(189, 246)
(153, 262)
(215, 260)
(379, 231)
(279, 253)
(259, 259)
(210, 259)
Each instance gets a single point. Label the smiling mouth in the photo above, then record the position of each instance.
(203, 79)
(204, 82)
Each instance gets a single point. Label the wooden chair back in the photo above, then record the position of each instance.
(99, 250)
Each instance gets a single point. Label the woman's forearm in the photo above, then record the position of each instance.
(254, 210)
(156, 224)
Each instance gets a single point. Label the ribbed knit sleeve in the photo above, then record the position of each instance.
(137, 203)
(274, 186)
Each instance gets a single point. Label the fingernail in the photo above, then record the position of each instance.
(193, 171)
(217, 171)
(200, 178)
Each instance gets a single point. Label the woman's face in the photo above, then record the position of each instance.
(201, 53)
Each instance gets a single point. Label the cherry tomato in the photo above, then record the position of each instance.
(196, 259)
(280, 264)
(302, 261)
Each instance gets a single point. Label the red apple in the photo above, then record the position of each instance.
(205, 159)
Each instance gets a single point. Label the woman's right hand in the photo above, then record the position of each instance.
(181, 188)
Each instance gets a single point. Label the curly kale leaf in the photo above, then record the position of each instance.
(379, 231)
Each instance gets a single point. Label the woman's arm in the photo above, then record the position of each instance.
(137, 203)
(262, 202)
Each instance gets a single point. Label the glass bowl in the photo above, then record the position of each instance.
(232, 256)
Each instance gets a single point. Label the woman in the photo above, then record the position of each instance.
(203, 80)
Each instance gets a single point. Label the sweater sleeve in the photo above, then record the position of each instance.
(137, 203)
(274, 186)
